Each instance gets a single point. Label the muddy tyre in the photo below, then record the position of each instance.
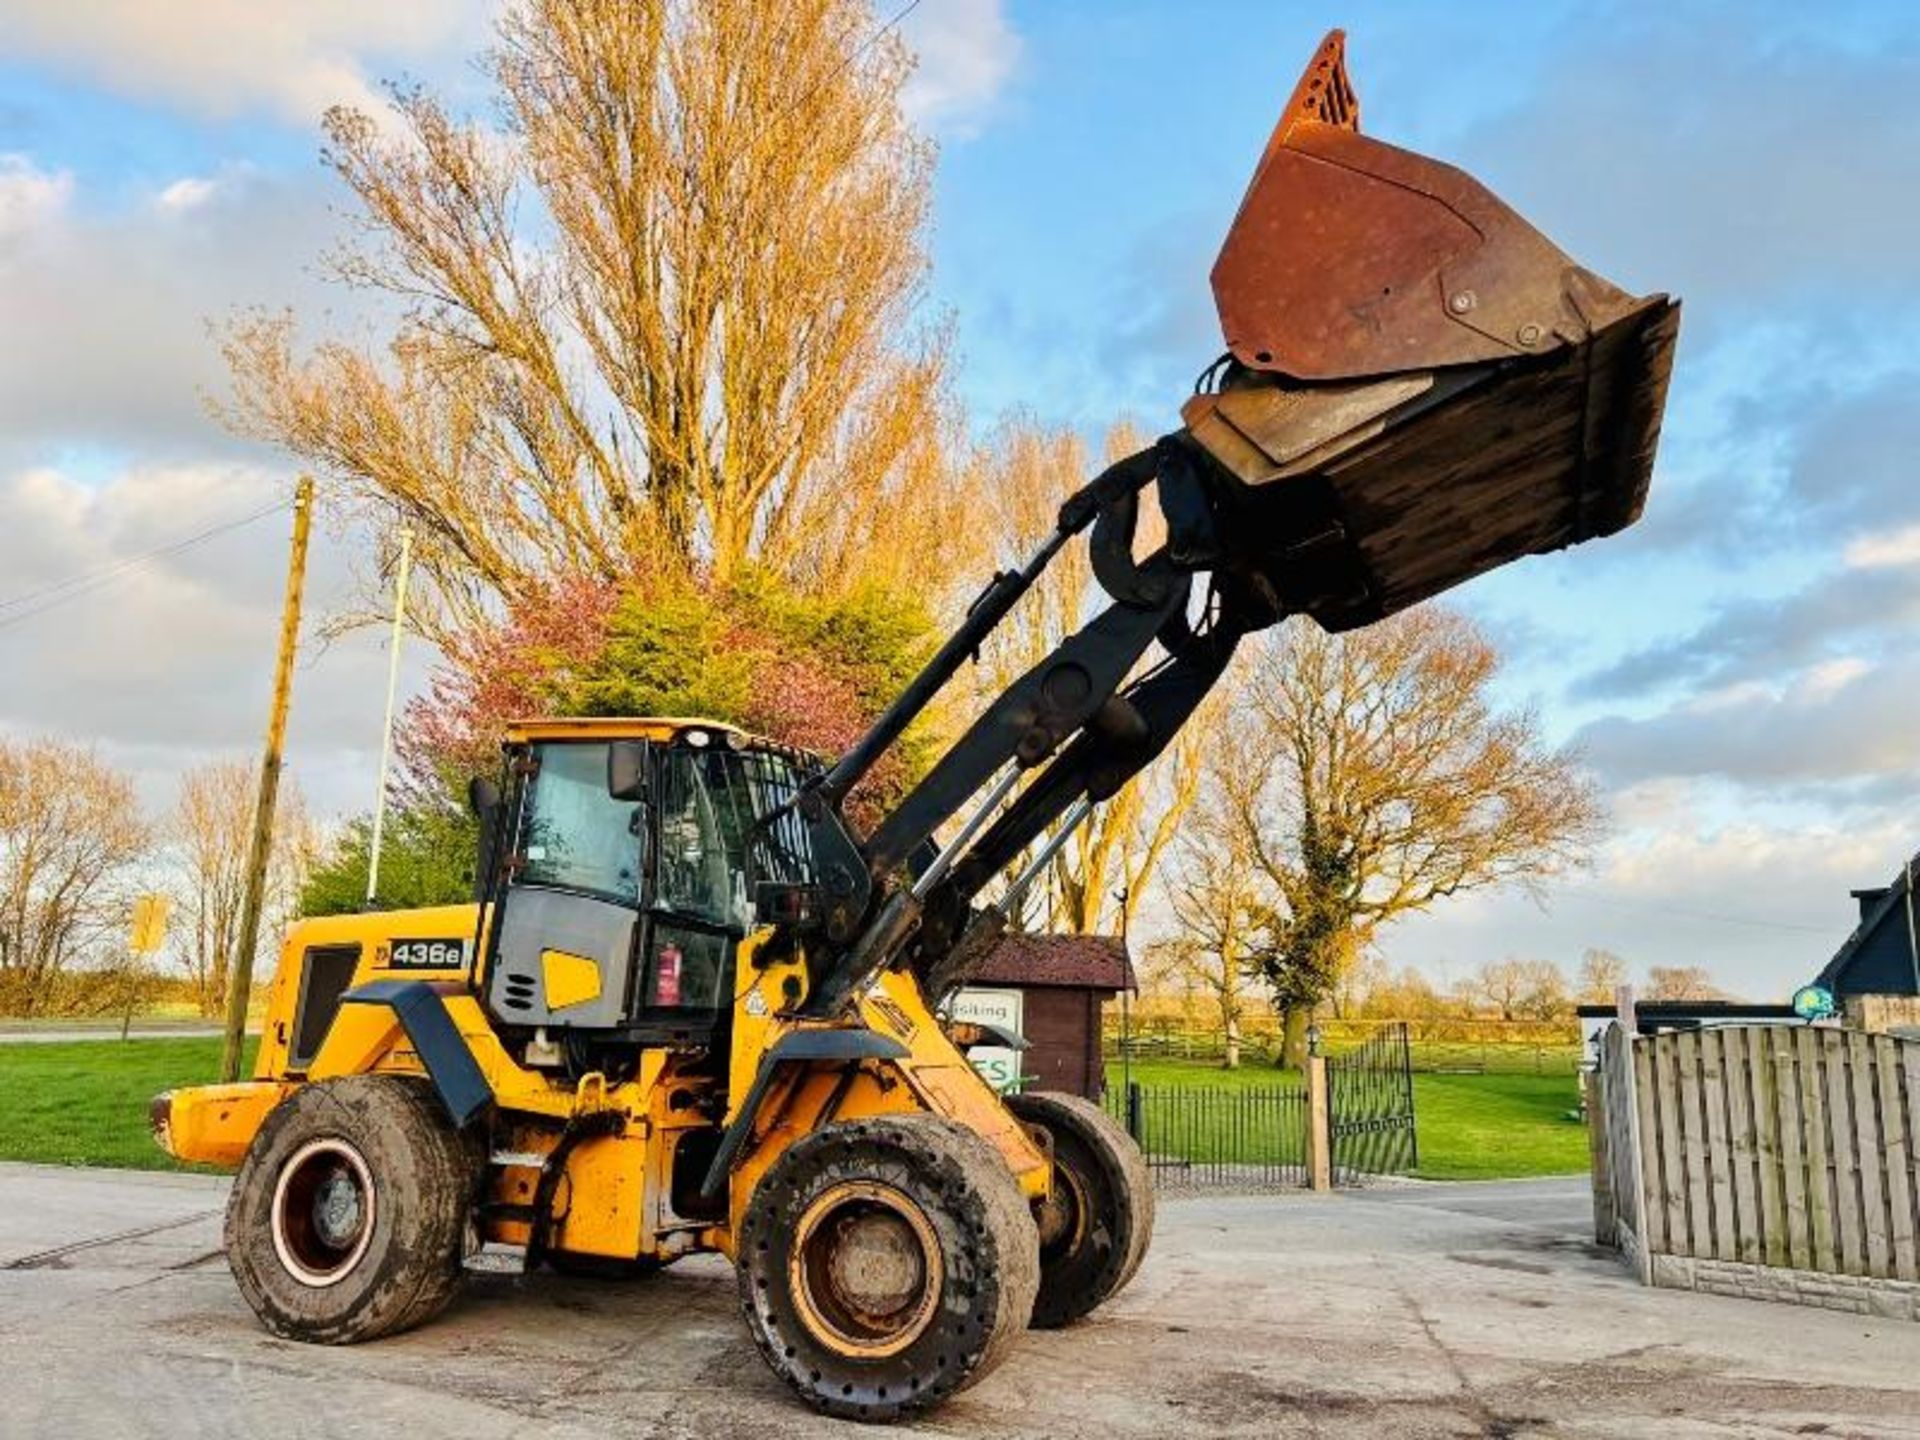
(349, 1213)
(1097, 1223)
(886, 1263)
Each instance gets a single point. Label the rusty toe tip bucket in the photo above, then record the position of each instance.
(1423, 386)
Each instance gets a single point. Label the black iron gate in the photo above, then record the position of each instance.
(1217, 1136)
(1370, 1106)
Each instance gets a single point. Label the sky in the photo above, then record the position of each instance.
(1738, 671)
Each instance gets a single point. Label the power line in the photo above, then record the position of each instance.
(1709, 915)
(21, 608)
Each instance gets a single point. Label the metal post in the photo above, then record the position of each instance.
(240, 965)
(1913, 935)
(393, 689)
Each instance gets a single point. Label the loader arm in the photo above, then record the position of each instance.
(1418, 387)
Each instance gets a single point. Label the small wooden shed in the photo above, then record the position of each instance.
(1062, 981)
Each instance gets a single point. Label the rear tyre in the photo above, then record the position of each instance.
(886, 1263)
(1097, 1222)
(348, 1215)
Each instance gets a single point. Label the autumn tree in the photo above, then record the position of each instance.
(1682, 982)
(665, 315)
(1372, 775)
(1214, 887)
(1601, 973)
(70, 833)
(211, 832)
(1103, 874)
(1520, 989)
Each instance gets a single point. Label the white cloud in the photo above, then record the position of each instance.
(1761, 905)
(107, 308)
(967, 51)
(1875, 552)
(30, 198)
(225, 57)
(186, 194)
(167, 661)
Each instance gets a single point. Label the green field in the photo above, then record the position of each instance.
(1470, 1127)
(84, 1102)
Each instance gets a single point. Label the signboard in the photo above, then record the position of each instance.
(999, 1065)
(149, 929)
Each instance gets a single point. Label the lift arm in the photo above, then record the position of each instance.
(1418, 388)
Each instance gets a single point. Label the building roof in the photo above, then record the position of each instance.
(1079, 962)
(1879, 957)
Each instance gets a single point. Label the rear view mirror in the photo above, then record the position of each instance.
(483, 797)
(627, 770)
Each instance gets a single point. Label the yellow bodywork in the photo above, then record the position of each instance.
(615, 1196)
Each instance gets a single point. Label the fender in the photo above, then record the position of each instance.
(794, 1047)
(456, 1076)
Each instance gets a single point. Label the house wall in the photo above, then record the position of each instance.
(1062, 1029)
(1878, 1014)
(1883, 963)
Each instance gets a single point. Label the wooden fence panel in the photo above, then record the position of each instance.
(1869, 1152)
(1766, 1145)
(1743, 1136)
(1720, 1156)
(1673, 1166)
(1653, 1209)
(1813, 1115)
(1849, 1219)
(1769, 1157)
(1896, 1103)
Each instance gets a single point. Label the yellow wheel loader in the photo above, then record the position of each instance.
(693, 1008)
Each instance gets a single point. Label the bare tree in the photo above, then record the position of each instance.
(70, 831)
(1215, 887)
(1601, 973)
(1682, 982)
(211, 834)
(1373, 776)
(669, 313)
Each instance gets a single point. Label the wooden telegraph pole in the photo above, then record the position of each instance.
(240, 964)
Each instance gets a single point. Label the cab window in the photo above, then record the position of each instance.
(574, 836)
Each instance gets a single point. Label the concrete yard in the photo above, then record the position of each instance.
(1410, 1311)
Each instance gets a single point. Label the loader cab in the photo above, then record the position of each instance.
(629, 857)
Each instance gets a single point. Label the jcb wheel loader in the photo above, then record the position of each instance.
(693, 1008)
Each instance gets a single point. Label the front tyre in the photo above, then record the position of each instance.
(886, 1263)
(1097, 1221)
(347, 1217)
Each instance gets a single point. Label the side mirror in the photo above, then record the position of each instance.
(627, 770)
(483, 797)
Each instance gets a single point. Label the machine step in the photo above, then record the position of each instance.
(517, 1159)
(493, 1258)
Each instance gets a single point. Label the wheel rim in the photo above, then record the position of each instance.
(323, 1211)
(866, 1269)
(1063, 1216)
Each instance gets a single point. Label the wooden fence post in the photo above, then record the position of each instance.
(1636, 1157)
(1319, 1125)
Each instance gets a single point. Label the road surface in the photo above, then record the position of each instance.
(1425, 1310)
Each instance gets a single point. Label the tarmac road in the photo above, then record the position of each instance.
(1424, 1310)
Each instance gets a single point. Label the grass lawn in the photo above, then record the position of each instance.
(84, 1102)
(1470, 1127)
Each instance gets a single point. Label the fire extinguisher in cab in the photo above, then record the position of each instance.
(666, 976)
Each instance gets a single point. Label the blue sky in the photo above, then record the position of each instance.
(1739, 669)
